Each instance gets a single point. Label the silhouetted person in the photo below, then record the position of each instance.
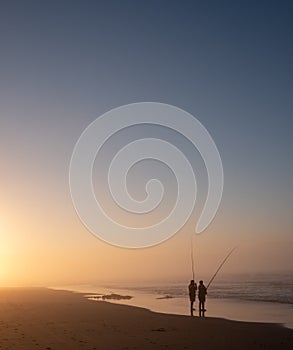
(192, 291)
(202, 292)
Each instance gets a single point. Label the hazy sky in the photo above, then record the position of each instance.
(64, 63)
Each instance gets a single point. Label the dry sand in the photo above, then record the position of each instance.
(40, 318)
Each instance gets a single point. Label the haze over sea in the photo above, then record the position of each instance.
(259, 297)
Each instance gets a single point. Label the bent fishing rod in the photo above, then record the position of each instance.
(221, 265)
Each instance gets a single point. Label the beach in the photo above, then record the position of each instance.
(40, 318)
(265, 299)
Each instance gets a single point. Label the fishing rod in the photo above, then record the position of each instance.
(192, 258)
(221, 265)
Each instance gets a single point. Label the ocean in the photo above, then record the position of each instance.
(260, 288)
(254, 298)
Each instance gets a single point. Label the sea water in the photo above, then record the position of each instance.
(254, 298)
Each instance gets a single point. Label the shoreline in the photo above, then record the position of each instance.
(42, 318)
(230, 309)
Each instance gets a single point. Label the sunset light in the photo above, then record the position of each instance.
(146, 175)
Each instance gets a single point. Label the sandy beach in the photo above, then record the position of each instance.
(40, 318)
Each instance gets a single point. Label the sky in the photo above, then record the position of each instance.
(65, 63)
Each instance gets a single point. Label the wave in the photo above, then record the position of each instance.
(271, 291)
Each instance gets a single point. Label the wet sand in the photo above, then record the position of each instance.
(47, 319)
